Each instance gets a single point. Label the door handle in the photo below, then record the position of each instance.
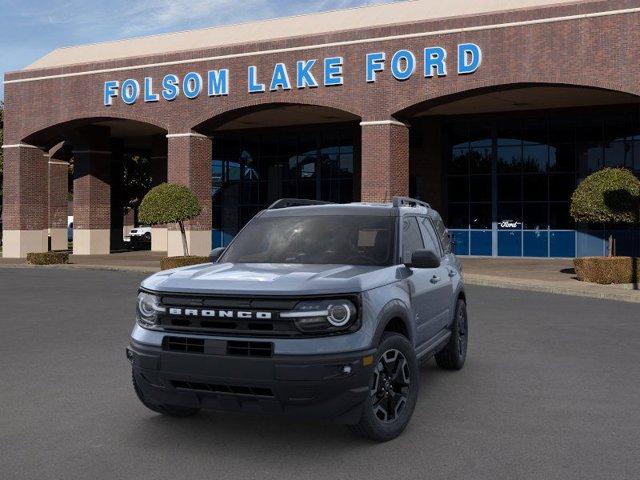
(435, 279)
(452, 272)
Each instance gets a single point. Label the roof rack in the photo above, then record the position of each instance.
(295, 202)
(409, 202)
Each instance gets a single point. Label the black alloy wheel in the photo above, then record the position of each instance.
(393, 390)
(391, 383)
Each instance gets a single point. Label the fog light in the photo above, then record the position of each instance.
(346, 369)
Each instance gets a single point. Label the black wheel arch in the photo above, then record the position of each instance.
(395, 318)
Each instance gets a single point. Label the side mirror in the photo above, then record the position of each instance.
(215, 254)
(424, 259)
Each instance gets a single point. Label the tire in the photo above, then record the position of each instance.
(169, 410)
(381, 420)
(454, 354)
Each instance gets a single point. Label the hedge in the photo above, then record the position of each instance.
(607, 270)
(48, 258)
(168, 263)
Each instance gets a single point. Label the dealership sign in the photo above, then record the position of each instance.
(309, 73)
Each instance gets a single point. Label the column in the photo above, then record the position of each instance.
(426, 163)
(159, 175)
(92, 193)
(385, 160)
(58, 191)
(189, 164)
(24, 200)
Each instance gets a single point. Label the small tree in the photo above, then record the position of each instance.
(609, 196)
(169, 203)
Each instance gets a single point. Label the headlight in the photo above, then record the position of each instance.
(147, 310)
(323, 316)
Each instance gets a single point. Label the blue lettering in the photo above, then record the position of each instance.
(170, 87)
(280, 78)
(403, 64)
(130, 91)
(375, 63)
(304, 77)
(254, 86)
(469, 58)
(434, 57)
(149, 96)
(218, 82)
(192, 85)
(110, 92)
(333, 71)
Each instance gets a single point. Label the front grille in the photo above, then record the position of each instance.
(221, 315)
(250, 349)
(224, 389)
(273, 327)
(182, 344)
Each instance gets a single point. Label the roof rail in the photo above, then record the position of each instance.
(409, 202)
(294, 202)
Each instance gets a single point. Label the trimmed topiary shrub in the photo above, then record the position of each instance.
(170, 203)
(168, 263)
(48, 258)
(607, 270)
(609, 196)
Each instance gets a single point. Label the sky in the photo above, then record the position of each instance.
(30, 29)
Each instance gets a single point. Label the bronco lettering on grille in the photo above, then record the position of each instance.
(239, 314)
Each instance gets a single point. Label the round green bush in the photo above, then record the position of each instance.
(611, 195)
(168, 203)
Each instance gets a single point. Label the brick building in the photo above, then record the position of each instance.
(492, 111)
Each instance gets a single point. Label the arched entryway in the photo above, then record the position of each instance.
(501, 164)
(261, 154)
(111, 163)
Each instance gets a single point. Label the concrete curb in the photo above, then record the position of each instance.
(73, 266)
(603, 292)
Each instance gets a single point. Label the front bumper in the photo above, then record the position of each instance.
(309, 386)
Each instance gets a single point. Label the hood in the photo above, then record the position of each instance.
(270, 279)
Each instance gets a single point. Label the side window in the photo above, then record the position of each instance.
(411, 238)
(442, 233)
(430, 239)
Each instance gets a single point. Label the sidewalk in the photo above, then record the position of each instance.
(538, 275)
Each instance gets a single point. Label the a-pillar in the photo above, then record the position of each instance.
(58, 191)
(24, 200)
(189, 164)
(385, 160)
(158, 175)
(92, 193)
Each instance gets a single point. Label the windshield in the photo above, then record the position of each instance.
(334, 239)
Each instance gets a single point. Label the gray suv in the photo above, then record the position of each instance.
(314, 310)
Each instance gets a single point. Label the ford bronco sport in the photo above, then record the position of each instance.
(313, 310)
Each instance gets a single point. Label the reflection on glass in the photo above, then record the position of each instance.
(510, 159)
(254, 168)
(535, 158)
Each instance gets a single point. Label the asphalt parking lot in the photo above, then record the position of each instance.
(551, 390)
